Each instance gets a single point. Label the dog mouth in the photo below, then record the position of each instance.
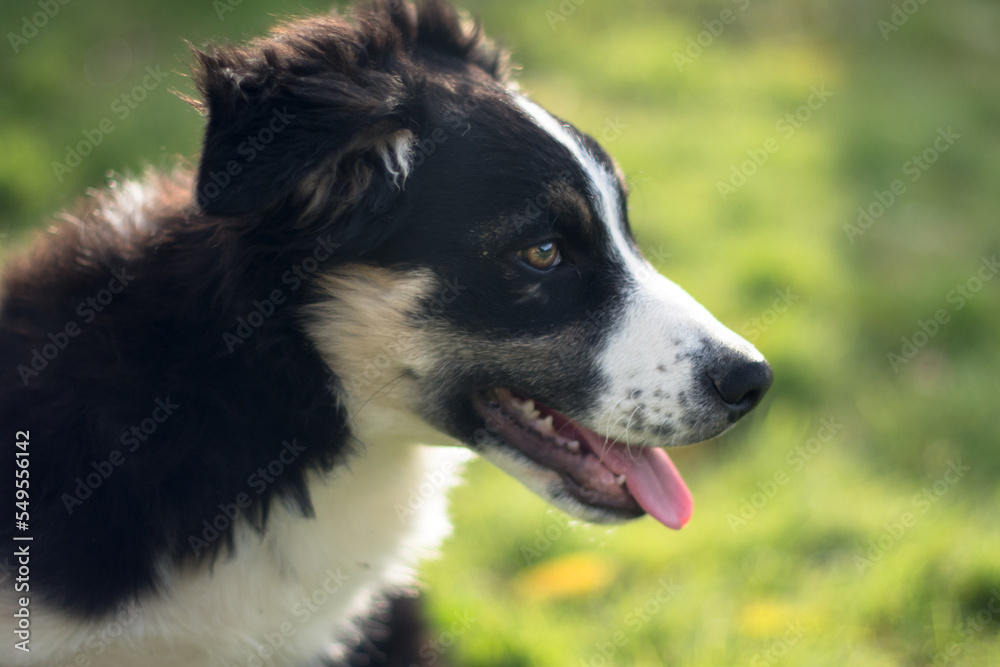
(600, 473)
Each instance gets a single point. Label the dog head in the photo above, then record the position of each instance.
(485, 277)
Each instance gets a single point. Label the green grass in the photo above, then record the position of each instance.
(792, 584)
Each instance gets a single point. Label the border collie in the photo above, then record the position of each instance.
(215, 386)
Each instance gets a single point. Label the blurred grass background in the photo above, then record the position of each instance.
(846, 541)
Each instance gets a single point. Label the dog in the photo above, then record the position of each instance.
(216, 384)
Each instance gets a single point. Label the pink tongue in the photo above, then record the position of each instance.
(654, 482)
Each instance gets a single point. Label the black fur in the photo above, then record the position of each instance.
(292, 182)
(396, 635)
(192, 274)
(158, 349)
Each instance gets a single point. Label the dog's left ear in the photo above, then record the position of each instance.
(319, 118)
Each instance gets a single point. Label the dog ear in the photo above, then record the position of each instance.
(308, 118)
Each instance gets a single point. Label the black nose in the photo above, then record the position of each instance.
(741, 384)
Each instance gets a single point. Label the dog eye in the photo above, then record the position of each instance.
(542, 256)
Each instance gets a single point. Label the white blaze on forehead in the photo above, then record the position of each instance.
(604, 183)
(655, 299)
(664, 337)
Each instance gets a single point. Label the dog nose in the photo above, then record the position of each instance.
(741, 384)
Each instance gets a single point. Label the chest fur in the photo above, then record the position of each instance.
(290, 593)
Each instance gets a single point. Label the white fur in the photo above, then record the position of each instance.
(654, 350)
(125, 209)
(378, 516)
(662, 328)
(374, 521)
(603, 182)
(396, 153)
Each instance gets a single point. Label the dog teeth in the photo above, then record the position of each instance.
(573, 446)
(528, 410)
(544, 425)
(529, 416)
(620, 480)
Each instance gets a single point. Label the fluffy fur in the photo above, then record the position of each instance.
(225, 377)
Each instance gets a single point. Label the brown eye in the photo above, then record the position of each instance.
(542, 256)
